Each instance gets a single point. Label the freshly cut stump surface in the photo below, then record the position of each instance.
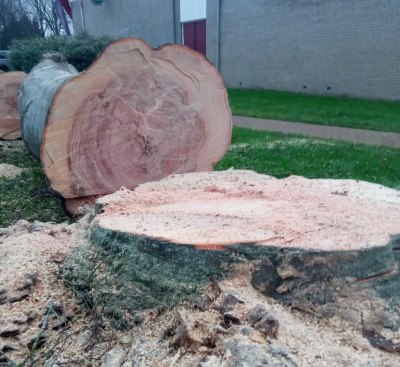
(136, 115)
(302, 235)
(9, 115)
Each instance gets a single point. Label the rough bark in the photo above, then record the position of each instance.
(305, 239)
(35, 97)
(9, 116)
(136, 115)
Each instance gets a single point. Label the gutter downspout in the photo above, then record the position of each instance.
(218, 36)
(83, 17)
(174, 19)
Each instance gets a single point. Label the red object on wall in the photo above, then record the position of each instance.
(194, 35)
(67, 6)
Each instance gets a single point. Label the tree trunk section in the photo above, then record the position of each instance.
(9, 116)
(136, 115)
(36, 96)
(303, 240)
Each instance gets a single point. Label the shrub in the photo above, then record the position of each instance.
(80, 51)
(83, 49)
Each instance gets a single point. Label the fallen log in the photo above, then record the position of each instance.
(36, 95)
(74, 207)
(9, 116)
(300, 240)
(136, 115)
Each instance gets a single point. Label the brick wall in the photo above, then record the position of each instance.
(330, 47)
(151, 20)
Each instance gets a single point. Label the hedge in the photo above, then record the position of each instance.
(79, 50)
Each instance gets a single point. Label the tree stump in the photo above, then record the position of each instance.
(300, 239)
(137, 114)
(9, 116)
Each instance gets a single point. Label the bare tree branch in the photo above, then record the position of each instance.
(15, 22)
(42, 12)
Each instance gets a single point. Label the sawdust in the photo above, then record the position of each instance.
(307, 340)
(30, 286)
(34, 301)
(318, 341)
(9, 171)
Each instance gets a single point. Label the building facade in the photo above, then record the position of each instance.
(327, 47)
(156, 21)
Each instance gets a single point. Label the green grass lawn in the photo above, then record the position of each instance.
(282, 155)
(27, 196)
(334, 111)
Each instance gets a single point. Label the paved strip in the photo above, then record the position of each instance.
(360, 136)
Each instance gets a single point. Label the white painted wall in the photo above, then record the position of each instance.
(193, 10)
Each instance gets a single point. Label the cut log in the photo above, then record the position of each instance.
(9, 116)
(35, 97)
(136, 115)
(74, 207)
(305, 239)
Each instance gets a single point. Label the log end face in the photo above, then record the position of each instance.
(153, 112)
(10, 128)
(9, 116)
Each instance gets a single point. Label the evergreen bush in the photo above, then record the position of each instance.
(80, 50)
